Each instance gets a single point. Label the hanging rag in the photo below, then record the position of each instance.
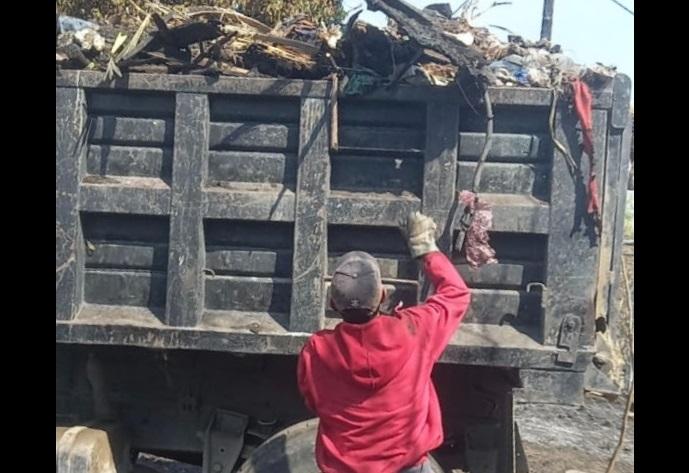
(477, 241)
(583, 101)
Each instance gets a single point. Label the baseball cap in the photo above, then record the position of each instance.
(356, 282)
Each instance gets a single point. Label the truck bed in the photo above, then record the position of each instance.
(204, 214)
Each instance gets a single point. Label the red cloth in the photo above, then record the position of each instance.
(583, 102)
(593, 206)
(370, 384)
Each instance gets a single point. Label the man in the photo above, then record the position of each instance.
(369, 379)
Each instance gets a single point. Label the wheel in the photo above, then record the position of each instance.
(292, 451)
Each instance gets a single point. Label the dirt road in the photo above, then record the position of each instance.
(561, 438)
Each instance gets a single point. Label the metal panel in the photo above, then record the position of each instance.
(266, 161)
(187, 259)
(505, 147)
(506, 178)
(510, 96)
(440, 164)
(70, 149)
(310, 219)
(244, 293)
(125, 288)
(572, 258)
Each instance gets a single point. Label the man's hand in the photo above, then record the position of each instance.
(421, 234)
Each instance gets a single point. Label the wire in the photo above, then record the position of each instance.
(619, 4)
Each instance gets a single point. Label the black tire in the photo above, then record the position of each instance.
(292, 451)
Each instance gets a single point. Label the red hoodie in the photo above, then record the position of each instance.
(370, 384)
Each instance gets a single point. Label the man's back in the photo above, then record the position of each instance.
(370, 384)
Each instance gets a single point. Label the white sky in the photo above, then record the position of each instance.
(589, 31)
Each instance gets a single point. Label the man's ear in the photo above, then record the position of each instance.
(383, 296)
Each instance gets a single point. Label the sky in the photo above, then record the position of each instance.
(589, 31)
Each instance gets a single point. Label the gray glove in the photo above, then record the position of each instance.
(421, 234)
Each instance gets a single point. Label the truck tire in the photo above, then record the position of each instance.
(292, 451)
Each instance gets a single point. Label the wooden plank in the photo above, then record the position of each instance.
(250, 205)
(187, 257)
(129, 161)
(572, 255)
(195, 84)
(259, 262)
(506, 178)
(505, 147)
(504, 274)
(133, 195)
(368, 208)
(246, 166)
(253, 136)
(129, 288)
(383, 173)
(131, 131)
(380, 138)
(147, 256)
(70, 122)
(518, 213)
(310, 218)
(252, 294)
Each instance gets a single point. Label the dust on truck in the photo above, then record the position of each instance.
(197, 224)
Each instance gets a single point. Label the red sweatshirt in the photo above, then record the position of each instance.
(370, 384)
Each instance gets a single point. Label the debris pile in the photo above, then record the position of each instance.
(199, 40)
(429, 46)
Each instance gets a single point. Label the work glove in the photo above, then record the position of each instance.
(420, 233)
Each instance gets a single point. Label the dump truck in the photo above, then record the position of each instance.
(198, 220)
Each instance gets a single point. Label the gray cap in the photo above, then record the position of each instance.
(356, 282)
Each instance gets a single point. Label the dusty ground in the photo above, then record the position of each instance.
(556, 439)
(561, 438)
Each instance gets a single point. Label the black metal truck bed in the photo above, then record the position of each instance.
(205, 214)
